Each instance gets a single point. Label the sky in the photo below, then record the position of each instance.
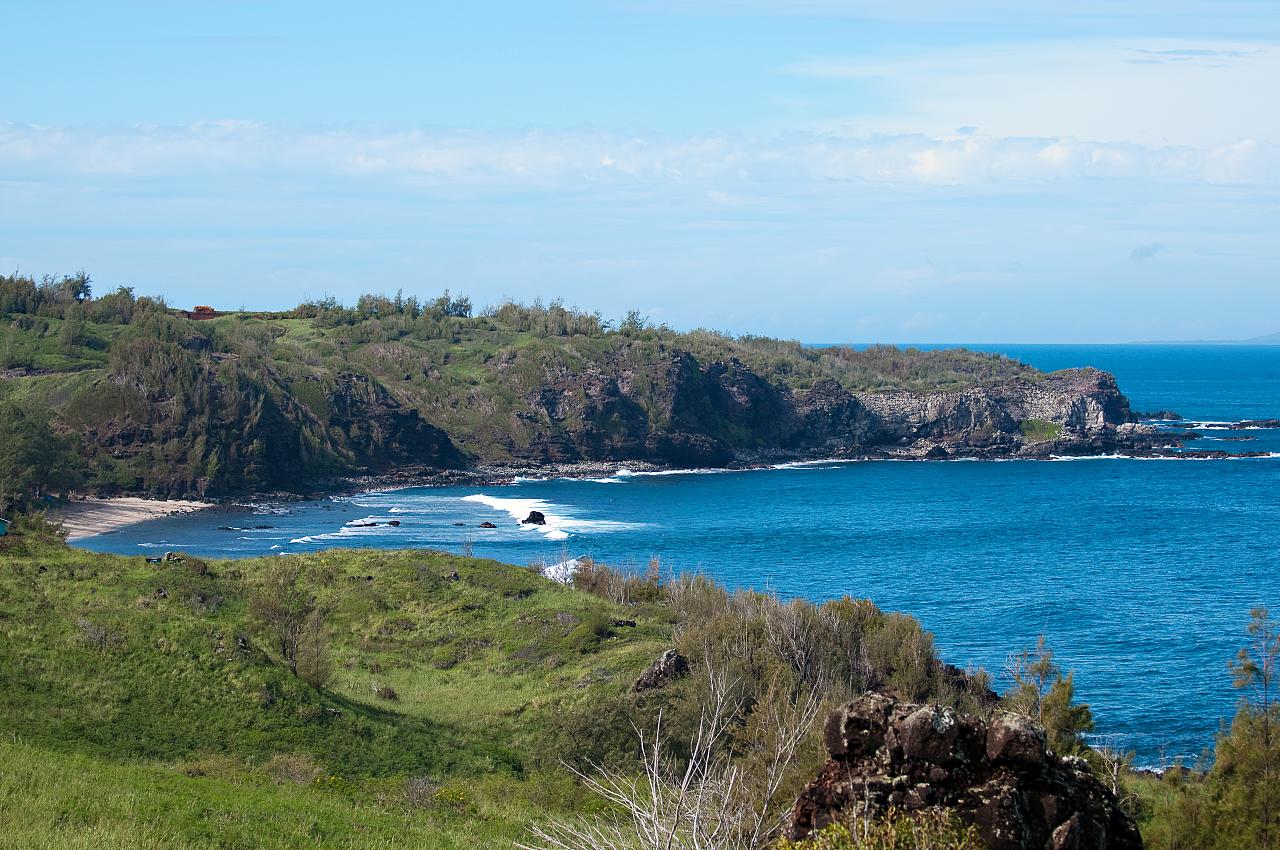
(825, 170)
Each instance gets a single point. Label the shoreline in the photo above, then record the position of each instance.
(87, 517)
(90, 517)
(502, 476)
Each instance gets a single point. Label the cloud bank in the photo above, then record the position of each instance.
(557, 161)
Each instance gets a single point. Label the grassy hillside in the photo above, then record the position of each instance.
(147, 705)
(161, 404)
(132, 713)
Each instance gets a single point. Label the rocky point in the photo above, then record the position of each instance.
(996, 774)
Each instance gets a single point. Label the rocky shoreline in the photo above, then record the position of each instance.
(926, 451)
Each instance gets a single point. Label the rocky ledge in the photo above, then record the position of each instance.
(997, 775)
(724, 414)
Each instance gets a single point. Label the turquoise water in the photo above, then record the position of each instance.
(1140, 573)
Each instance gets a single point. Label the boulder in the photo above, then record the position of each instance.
(668, 667)
(534, 518)
(997, 775)
(1014, 739)
(487, 524)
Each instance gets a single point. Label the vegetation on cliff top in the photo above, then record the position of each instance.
(160, 404)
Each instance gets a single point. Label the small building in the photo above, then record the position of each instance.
(4, 526)
(202, 312)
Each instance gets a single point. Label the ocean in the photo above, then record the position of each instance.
(1139, 573)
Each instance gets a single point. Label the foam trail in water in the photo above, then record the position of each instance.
(558, 525)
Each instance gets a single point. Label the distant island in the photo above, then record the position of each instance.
(126, 396)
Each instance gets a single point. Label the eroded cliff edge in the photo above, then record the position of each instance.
(723, 413)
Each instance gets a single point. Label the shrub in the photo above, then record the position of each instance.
(292, 768)
(420, 791)
(293, 622)
(930, 830)
(587, 635)
(617, 586)
(1041, 691)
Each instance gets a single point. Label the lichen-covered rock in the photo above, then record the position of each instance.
(1014, 739)
(668, 667)
(996, 775)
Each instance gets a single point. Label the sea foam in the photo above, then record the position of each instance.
(559, 525)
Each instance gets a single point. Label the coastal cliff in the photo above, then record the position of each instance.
(151, 402)
(685, 413)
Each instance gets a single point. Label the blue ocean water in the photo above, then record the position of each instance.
(1140, 573)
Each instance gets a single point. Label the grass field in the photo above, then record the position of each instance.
(133, 715)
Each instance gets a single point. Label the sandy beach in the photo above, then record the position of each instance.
(86, 518)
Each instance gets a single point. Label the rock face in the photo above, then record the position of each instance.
(689, 413)
(999, 776)
(665, 669)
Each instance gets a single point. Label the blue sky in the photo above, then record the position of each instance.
(825, 170)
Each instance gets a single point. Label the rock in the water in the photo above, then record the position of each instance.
(534, 518)
(668, 667)
(1257, 423)
(997, 775)
(1158, 416)
(487, 524)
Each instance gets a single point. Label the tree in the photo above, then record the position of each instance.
(1040, 691)
(33, 457)
(1234, 807)
(1253, 755)
(634, 322)
(73, 335)
(296, 626)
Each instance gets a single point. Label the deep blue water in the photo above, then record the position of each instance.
(1139, 573)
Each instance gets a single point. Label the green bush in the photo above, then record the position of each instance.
(929, 830)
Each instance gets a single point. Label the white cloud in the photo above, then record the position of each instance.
(1148, 92)
(1208, 13)
(726, 167)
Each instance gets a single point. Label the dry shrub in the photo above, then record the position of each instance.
(299, 769)
(728, 792)
(420, 791)
(216, 765)
(94, 634)
(617, 586)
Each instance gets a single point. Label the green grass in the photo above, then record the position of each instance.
(131, 717)
(1039, 430)
(53, 800)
